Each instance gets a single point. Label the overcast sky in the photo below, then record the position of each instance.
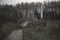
(19, 1)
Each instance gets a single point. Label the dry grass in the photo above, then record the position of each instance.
(6, 29)
(44, 31)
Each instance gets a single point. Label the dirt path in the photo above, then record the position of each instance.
(15, 35)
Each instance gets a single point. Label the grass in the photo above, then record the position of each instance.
(6, 29)
(34, 31)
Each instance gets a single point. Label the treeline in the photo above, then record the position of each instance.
(52, 10)
(8, 13)
(13, 13)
